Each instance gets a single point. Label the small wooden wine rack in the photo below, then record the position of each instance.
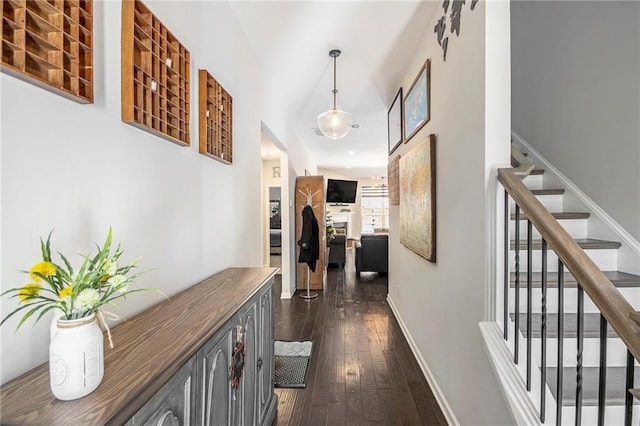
(50, 43)
(155, 75)
(215, 114)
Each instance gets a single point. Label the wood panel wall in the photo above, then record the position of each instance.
(315, 186)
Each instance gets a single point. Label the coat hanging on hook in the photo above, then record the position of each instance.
(309, 240)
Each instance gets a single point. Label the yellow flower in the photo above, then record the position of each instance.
(28, 292)
(45, 268)
(65, 292)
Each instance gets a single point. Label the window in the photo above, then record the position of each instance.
(375, 209)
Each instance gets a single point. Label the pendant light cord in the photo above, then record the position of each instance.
(335, 91)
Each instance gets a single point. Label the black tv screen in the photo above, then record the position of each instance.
(341, 191)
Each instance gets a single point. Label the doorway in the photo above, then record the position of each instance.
(277, 246)
(275, 227)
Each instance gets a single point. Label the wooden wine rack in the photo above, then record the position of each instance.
(155, 75)
(50, 43)
(215, 119)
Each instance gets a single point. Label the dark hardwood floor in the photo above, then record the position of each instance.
(362, 370)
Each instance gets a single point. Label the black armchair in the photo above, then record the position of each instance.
(337, 249)
(372, 254)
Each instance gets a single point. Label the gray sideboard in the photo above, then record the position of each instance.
(171, 363)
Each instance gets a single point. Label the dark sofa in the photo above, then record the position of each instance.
(372, 254)
(338, 250)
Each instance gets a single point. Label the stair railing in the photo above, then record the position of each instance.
(614, 309)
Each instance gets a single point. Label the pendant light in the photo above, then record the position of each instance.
(334, 123)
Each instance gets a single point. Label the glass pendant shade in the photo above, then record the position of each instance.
(335, 123)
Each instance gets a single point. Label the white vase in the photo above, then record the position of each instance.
(53, 328)
(76, 358)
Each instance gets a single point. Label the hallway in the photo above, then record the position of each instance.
(362, 371)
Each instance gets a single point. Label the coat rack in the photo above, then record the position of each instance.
(310, 191)
(308, 296)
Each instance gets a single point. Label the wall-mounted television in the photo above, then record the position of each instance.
(341, 191)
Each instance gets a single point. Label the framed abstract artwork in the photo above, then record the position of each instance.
(418, 199)
(417, 103)
(394, 122)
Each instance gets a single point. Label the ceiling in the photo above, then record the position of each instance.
(377, 38)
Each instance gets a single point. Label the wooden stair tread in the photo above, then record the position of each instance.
(584, 243)
(550, 191)
(616, 391)
(619, 279)
(591, 325)
(558, 215)
(534, 172)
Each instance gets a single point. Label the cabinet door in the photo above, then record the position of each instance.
(265, 353)
(214, 363)
(246, 394)
(174, 403)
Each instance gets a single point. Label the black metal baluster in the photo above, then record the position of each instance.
(628, 398)
(580, 345)
(543, 330)
(560, 342)
(529, 299)
(517, 272)
(602, 389)
(507, 220)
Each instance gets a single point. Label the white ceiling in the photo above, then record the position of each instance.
(377, 38)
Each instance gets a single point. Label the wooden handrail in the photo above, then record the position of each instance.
(524, 165)
(615, 308)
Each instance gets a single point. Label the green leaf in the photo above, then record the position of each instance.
(44, 311)
(21, 308)
(47, 254)
(66, 262)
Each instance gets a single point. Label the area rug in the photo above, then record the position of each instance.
(291, 363)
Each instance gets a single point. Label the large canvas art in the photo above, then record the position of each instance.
(418, 199)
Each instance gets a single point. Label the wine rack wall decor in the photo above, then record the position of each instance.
(50, 43)
(215, 118)
(155, 75)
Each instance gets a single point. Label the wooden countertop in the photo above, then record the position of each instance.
(148, 350)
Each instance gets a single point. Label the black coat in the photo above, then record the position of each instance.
(309, 242)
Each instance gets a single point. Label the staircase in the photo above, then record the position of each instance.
(582, 349)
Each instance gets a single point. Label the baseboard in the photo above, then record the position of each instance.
(522, 409)
(286, 295)
(622, 233)
(437, 392)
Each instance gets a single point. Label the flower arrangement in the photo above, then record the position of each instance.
(330, 230)
(74, 293)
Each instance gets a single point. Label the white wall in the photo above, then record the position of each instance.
(576, 95)
(78, 169)
(441, 304)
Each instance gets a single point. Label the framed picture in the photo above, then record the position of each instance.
(418, 199)
(394, 122)
(417, 103)
(393, 173)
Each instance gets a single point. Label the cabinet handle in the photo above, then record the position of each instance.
(259, 363)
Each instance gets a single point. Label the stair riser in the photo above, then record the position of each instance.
(553, 203)
(534, 181)
(577, 228)
(631, 294)
(606, 260)
(616, 352)
(613, 416)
